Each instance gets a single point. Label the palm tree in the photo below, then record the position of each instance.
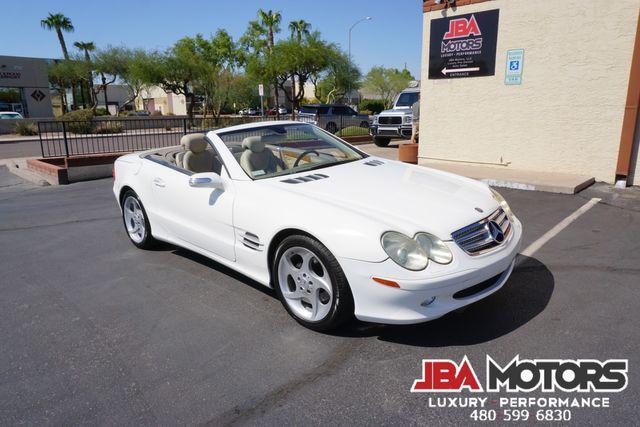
(59, 23)
(87, 47)
(299, 28)
(271, 21)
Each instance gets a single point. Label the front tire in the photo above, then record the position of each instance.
(311, 284)
(136, 222)
(381, 142)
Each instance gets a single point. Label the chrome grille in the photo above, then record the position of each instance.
(389, 120)
(476, 239)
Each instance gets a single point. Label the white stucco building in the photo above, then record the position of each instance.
(563, 96)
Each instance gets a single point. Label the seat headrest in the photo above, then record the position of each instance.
(255, 144)
(194, 142)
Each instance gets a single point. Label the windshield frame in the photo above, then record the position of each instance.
(236, 171)
(407, 93)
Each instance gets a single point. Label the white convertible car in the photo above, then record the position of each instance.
(334, 231)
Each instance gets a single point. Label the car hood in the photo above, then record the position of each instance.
(396, 111)
(401, 197)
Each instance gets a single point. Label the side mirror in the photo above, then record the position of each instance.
(206, 180)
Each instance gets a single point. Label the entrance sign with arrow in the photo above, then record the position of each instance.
(463, 45)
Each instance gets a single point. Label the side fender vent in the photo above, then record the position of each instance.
(373, 163)
(251, 241)
(306, 178)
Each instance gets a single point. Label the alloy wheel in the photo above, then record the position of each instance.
(305, 284)
(134, 219)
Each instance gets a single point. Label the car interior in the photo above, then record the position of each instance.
(260, 153)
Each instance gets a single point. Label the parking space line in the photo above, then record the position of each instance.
(535, 246)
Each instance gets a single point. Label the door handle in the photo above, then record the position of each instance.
(158, 183)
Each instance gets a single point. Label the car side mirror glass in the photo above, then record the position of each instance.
(206, 180)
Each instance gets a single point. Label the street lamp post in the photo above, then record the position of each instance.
(366, 18)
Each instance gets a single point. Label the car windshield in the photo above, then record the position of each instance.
(407, 99)
(285, 149)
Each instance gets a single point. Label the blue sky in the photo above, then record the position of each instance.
(392, 38)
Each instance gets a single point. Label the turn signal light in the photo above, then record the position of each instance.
(386, 282)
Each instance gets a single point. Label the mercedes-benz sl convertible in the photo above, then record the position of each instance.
(334, 231)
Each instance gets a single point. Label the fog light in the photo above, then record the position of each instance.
(427, 302)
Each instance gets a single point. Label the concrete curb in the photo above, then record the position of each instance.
(558, 182)
(19, 168)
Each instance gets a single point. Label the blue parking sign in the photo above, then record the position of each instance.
(515, 62)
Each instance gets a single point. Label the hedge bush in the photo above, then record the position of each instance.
(374, 106)
(353, 131)
(80, 121)
(102, 112)
(107, 128)
(25, 129)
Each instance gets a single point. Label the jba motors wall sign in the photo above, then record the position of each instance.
(463, 45)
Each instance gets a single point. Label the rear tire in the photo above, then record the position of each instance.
(331, 127)
(381, 142)
(311, 284)
(136, 221)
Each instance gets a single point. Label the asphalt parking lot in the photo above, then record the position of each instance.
(95, 331)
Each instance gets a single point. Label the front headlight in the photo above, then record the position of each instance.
(435, 248)
(414, 253)
(375, 120)
(502, 202)
(408, 119)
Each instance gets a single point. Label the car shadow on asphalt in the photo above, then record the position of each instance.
(522, 298)
(207, 262)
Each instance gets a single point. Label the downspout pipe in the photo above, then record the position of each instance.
(630, 120)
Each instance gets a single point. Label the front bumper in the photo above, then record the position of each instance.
(384, 304)
(391, 131)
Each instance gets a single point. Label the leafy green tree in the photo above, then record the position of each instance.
(219, 57)
(254, 41)
(58, 22)
(299, 61)
(65, 74)
(133, 73)
(243, 92)
(386, 82)
(110, 64)
(176, 70)
(340, 77)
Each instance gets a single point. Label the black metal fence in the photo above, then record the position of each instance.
(64, 138)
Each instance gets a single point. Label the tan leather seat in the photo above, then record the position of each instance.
(256, 160)
(196, 157)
